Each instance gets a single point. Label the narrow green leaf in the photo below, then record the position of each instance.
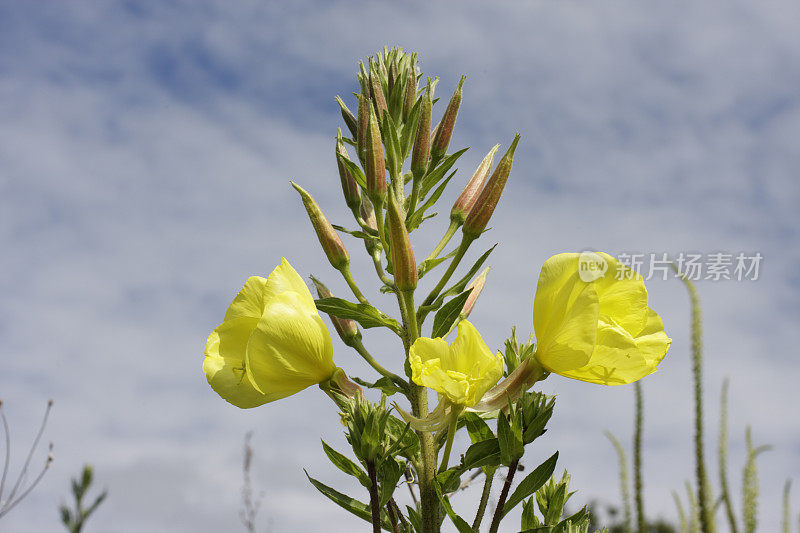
(480, 454)
(366, 315)
(416, 218)
(346, 465)
(555, 506)
(509, 436)
(531, 483)
(529, 519)
(434, 176)
(477, 427)
(352, 505)
(448, 314)
(384, 384)
(355, 171)
(389, 474)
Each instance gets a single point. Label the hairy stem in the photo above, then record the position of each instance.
(374, 499)
(451, 433)
(462, 249)
(487, 490)
(445, 239)
(348, 277)
(498, 513)
(362, 351)
(641, 522)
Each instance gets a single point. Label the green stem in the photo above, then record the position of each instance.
(348, 277)
(376, 260)
(451, 433)
(498, 513)
(362, 351)
(419, 407)
(445, 239)
(414, 198)
(641, 523)
(487, 490)
(379, 222)
(374, 499)
(462, 249)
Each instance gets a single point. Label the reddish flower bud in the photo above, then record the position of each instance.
(484, 206)
(352, 193)
(368, 214)
(346, 328)
(422, 142)
(403, 263)
(376, 164)
(328, 238)
(476, 286)
(410, 98)
(469, 195)
(441, 139)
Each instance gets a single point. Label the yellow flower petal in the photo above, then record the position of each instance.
(598, 329)
(290, 349)
(286, 279)
(224, 363)
(462, 372)
(249, 302)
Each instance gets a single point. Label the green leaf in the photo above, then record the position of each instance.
(509, 436)
(397, 431)
(434, 176)
(555, 506)
(409, 132)
(416, 218)
(531, 483)
(414, 518)
(477, 427)
(344, 501)
(536, 426)
(355, 171)
(429, 264)
(346, 465)
(460, 284)
(529, 519)
(480, 454)
(448, 314)
(356, 233)
(460, 523)
(392, 144)
(449, 480)
(384, 384)
(389, 474)
(366, 315)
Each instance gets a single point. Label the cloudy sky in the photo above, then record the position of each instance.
(145, 153)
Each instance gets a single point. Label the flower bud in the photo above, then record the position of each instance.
(393, 73)
(367, 213)
(328, 238)
(346, 328)
(410, 98)
(476, 286)
(441, 140)
(352, 193)
(484, 206)
(466, 200)
(363, 127)
(376, 164)
(349, 119)
(403, 262)
(422, 141)
(377, 90)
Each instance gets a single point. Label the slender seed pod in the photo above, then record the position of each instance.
(352, 193)
(363, 127)
(469, 195)
(410, 98)
(403, 262)
(378, 97)
(328, 238)
(484, 206)
(349, 119)
(346, 328)
(422, 142)
(441, 140)
(376, 164)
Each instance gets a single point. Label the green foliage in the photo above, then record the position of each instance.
(75, 518)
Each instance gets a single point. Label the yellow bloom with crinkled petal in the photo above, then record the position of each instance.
(271, 344)
(593, 323)
(462, 371)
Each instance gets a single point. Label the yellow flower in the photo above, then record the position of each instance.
(592, 326)
(461, 372)
(271, 344)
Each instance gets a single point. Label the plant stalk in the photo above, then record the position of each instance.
(498, 513)
(487, 490)
(374, 499)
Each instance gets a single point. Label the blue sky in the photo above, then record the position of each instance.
(145, 153)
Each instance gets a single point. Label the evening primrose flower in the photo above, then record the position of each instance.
(271, 344)
(593, 323)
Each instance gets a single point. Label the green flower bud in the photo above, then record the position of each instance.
(378, 97)
(328, 238)
(410, 98)
(376, 164)
(403, 262)
(350, 188)
(422, 142)
(469, 195)
(441, 140)
(363, 127)
(349, 119)
(346, 328)
(481, 212)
